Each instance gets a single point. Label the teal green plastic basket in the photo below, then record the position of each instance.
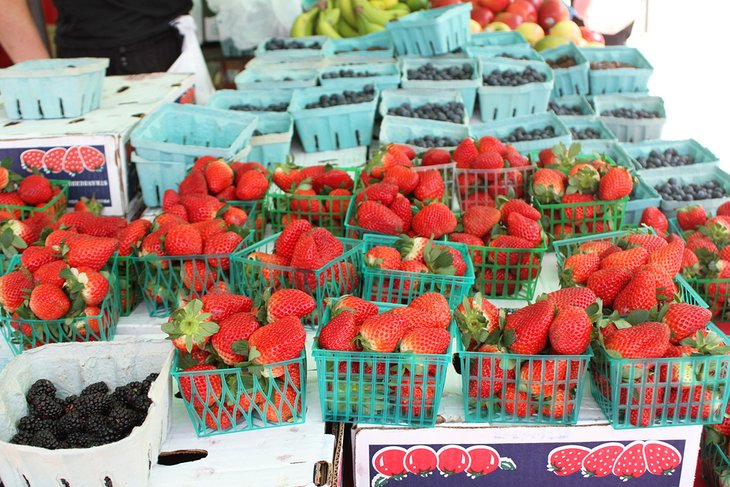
(642, 197)
(130, 294)
(168, 281)
(560, 222)
(417, 98)
(332, 128)
(572, 80)
(503, 128)
(273, 145)
(630, 129)
(518, 52)
(467, 87)
(383, 75)
(572, 101)
(582, 123)
(276, 77)
(182, 133)
(259, 99)
(52, 88)
(401, 287)
(378, 388)
(376, 45)
(55, 207)
(156, 177)
(431, 32)
(503, 38)
(631, 395)
(246, 402)
(339, 276)
(484, 391)
(24, 334)
(295, 54)
(715, 463)
(494, 182)
(622, 80)
(501, 102)
(400, 130)
(688, 147)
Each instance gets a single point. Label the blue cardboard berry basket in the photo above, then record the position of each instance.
(642, 197)
(375, 45)
(503, 128)
(467, 87)
(574, 79)
(278, 77)
(182, 133)
(431, 32)
(271, 143)
(383, 75)
(502, 102)
(332, 128)
(52, 88)
(502, 38)
(620, 80)
(630, 129)
(517, 52)
(573, 101)
(701, 154)
(400, 130)
(392, 99)
(595, 123)
(297, 54)
(156, 177)
(260, 99)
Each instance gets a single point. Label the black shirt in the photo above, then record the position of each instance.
(114, 23)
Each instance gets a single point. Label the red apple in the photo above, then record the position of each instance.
(494, 5)
(513, 20)
(591, 35)
(536, 3)
(551, 12)
(524, 9)
(482, 15)
(444, 3)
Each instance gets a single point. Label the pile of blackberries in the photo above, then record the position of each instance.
(346, 98)
(348, 73)
(630, 113)
(279, 44)
(95, 417)
(674, 191)
(669, 158)
(586, 133)
(562, 62)
(564, 109)
(443, 112)
(430, 72)
(520, 134)
(610, 65)
(275, 107)
(431, 141)
(514, 78)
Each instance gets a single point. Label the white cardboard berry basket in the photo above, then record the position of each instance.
(71, 367)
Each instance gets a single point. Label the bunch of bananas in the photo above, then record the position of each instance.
(352, 18)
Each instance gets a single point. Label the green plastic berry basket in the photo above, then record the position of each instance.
(503, 128)
(636, 393)
(502, 102)
(168, 281)
(688, 147)
(23, 334)
(517, 52)
(574, 101)
(503, 38)
(8, 262)
(485, 396)
(376, 388)
(431, 32)
(130, 294)
(324, 211)
(560, 220)
(401, 287)
(631, 129)
(514, 181)
(376, 45)
(383, 75)
(621, 80)
(246, 401)
(55, 207)
(642, 197)
(715, 463)
(595, 123)
(339, 276)
(574, 79)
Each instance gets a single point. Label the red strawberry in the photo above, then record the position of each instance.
(487, 160)
(402, 208)
(91, 285)
(570, 331)
(548, 185)
(520, 226)
(631, 259)
(340, 332)
(189, 327)
(465, 153)
(567, 460)
(49, 302)
(287, 240)
(332, 179)
(491, 371)
(378, 218)
(649, 241)
(201, 388)
(508, 242)
(531, 325)
(669, 257)
(406, 149)
(287, 177)
(201, 207)
(468, 239)
(196, 276)
(631, 463)
(646, 340)
(362, 308)
(603, 248)
(289, 302)
(382, 332)
(691, 217)
(724, 209)
(222, 305)
(236, 327)
(426, 340)
(661, 458)
(490, 143)
(559, 406)
(600, 461)
(653, 217)
(578, 267)
(516, 403)
(15, 287)
(521, 207)
(222, 244)
(477, 198)
(436, 305)
(35, 189)
(169, 199)
(546, 378)
(640, 293)
(607, 283)
(404, 177)
(617, 183)
(93, 252)
(515, 159)
(33, 257)
(337, 203)
(576, 208)
(218, 175)
(430, 186)
(383, 257)
(684, 320)
(50, 273)
(581, 297)
(434, 220)
(417, 318)
(194, 183)
(208, 229)
(479, 220)
(379, 192)
(251, 185)
(302, 203)
(435, 157)
(183, 240)
(280, 340)
(90, 205)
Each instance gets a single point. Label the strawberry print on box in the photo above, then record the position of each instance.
(84, 166)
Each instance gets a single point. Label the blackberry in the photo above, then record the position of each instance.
(42, 387)
(122, 420)
(564, 109)
(44, 439)
(96, 388)
(80, 440)
(147, 383)
(514, 78)
(136, 387)
(443, 112)
(47, 407)
(33, 424)
(70, 423)
(69, 404)
(98, 403)
(152, 377)
(141, 404)
(22, 438)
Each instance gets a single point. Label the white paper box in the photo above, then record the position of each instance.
(71, 367)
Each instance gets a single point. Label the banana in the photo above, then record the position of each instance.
(326, 23)
(347, 12)
(379, 4)
(416, 5)
(375, 15)
(402, 8)
(344, 28)
(304, 24)
(389, 3)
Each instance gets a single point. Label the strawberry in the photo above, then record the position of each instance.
(544, 378)
(382, 257)
(235, 216)
(468, 239)
(302, 203)
(236, 327)
(340, 332)
(548, 186)
(218, 175)
(669, 257)
(222, 305)
(289, 302)
(508, 242)
(221, 244)
(287, 177)
(49, 302)
(416, 394)
(362, 309)
(580, 297)
(583, 178)
(640, 293)
(412, 248)
(282, 339)
(476, 318)
(631, 463)
(434, 220)
(93, 252)
(201, 207)
(430, 186)
(378, 218)
(194, 183)
(653, 217)
(282, 407)
(189, 327)
(381, 333)
(522, 227)
(251, 185)
(92, 286)
(521, 207)
(684, 320)
(200, 389)
(332, 179)
(208, 229)
(617, 183)
(576, 208)
(426, 340)
(600, 461)
(491, 371)
(402, 208)
(183, 240)
(404, 177)
(479, 220)
(435, 157)
(329, 246)
(388, 156)
(457, 260)
(477, 198)
(405, 149)
(196, 276)
(465, 153)
(690, 263)
(337, 203)
(307, 255)
(607, 283)
(566, 460)
(645, 340)
(487, 160)
(661, 458)
(664, 284)
(289, 236)
(50, 273)
(35, 189)
(271, 275)
(383, 193)
(699, 241)
(33, 257)
(436, 305)
(516, 403)
(489, 143)
(691, 217)
(15, 287)
(570, 331)
(531, 326)
(577, 269)
(631, 259)
(559, 406)
(169, 199)
(649, 241)
(417, 318)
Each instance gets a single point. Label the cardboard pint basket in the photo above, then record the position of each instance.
(71, 367)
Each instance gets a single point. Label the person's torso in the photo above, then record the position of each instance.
(114, 23)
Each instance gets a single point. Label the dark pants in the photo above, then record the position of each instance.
(620, 37)
(149, 56)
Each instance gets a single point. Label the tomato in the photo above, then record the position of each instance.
(389, 461)
(420, 460)
(483, 460)
(452, 459)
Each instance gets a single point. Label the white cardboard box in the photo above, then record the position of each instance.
(104, 136)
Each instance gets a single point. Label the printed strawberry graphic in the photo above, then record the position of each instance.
(53, 160)
(72, 162)
(485, 460)
(567, 460)
(93, 158)
(631, 464)
(661, 458)
(32, 159)
(600, 461)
